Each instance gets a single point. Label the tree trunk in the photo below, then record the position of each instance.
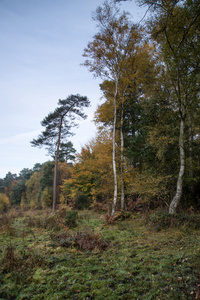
(179, 188)
(122, 160)
(55, 183)
(114, 159)
(56, 165)
(190, 148)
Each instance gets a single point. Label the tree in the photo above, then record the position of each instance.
(19, 187)
(66, 152)
(136, 81)
(7, 183)
(57, 128)
(176, 29)
(92, 171)
(107, 57)
(33, 191)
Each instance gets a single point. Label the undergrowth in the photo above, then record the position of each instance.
(43, 258)
(162, 220)
(85, 240)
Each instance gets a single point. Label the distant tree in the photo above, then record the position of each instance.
(37, 167)
(38, 182)
(17, 190)
(1, 185)
(7, 183)
(25, 174)
(58, 127)
(39, 188)
(19, 186)
(32, 191)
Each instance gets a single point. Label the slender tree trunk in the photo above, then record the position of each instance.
(56, 165)
(190, 147)
(56, 157)
(55, 183)
(122, 160)
(114, 158)
(179, 188)
(191, 173)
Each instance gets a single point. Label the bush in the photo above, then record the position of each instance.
(54, 221)
(163, 220)
(84, 240)
(81, 201)
(46, 197)
(20, 261)
(99, 207)
(70, 218)
(6, 225)
(120, 216)
(9, 259)
(4, 203)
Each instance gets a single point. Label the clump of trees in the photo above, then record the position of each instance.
(146, 151)
(36, 190)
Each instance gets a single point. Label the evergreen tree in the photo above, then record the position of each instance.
(58, 127)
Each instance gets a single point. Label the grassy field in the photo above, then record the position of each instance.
(41, 257)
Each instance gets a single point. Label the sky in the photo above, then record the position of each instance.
(41, 47)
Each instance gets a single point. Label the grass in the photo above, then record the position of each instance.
(138, 262)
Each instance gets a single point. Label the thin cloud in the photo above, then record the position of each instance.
(18, 138)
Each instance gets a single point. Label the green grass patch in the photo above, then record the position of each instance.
(94, 260)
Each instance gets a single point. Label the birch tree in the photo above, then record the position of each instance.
(107, 57)
(176, 29)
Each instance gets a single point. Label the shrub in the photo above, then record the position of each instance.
(163, 220)
(160, 220)
(120, 216)
(6, 225)
(9, 259)
(46, 197)
(54, 221)
(89, 241)
(21, 261)
(99, 207)
(81, 201)
(4, 203)
(70, 218)
(84, 240)
(4, 221)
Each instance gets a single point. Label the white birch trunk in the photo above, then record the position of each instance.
(179, 188)
(122, 160)
(190, 148)
(114, 158)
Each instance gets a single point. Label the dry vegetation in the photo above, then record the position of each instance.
(82, 255)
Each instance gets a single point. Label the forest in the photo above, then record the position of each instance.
(146, 151)
(126, 208)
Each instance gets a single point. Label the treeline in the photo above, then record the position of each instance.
(146, 151)
(32, 188)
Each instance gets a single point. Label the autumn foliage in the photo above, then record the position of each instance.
(146, 150)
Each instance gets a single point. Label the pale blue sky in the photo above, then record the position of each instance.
(41, 46)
